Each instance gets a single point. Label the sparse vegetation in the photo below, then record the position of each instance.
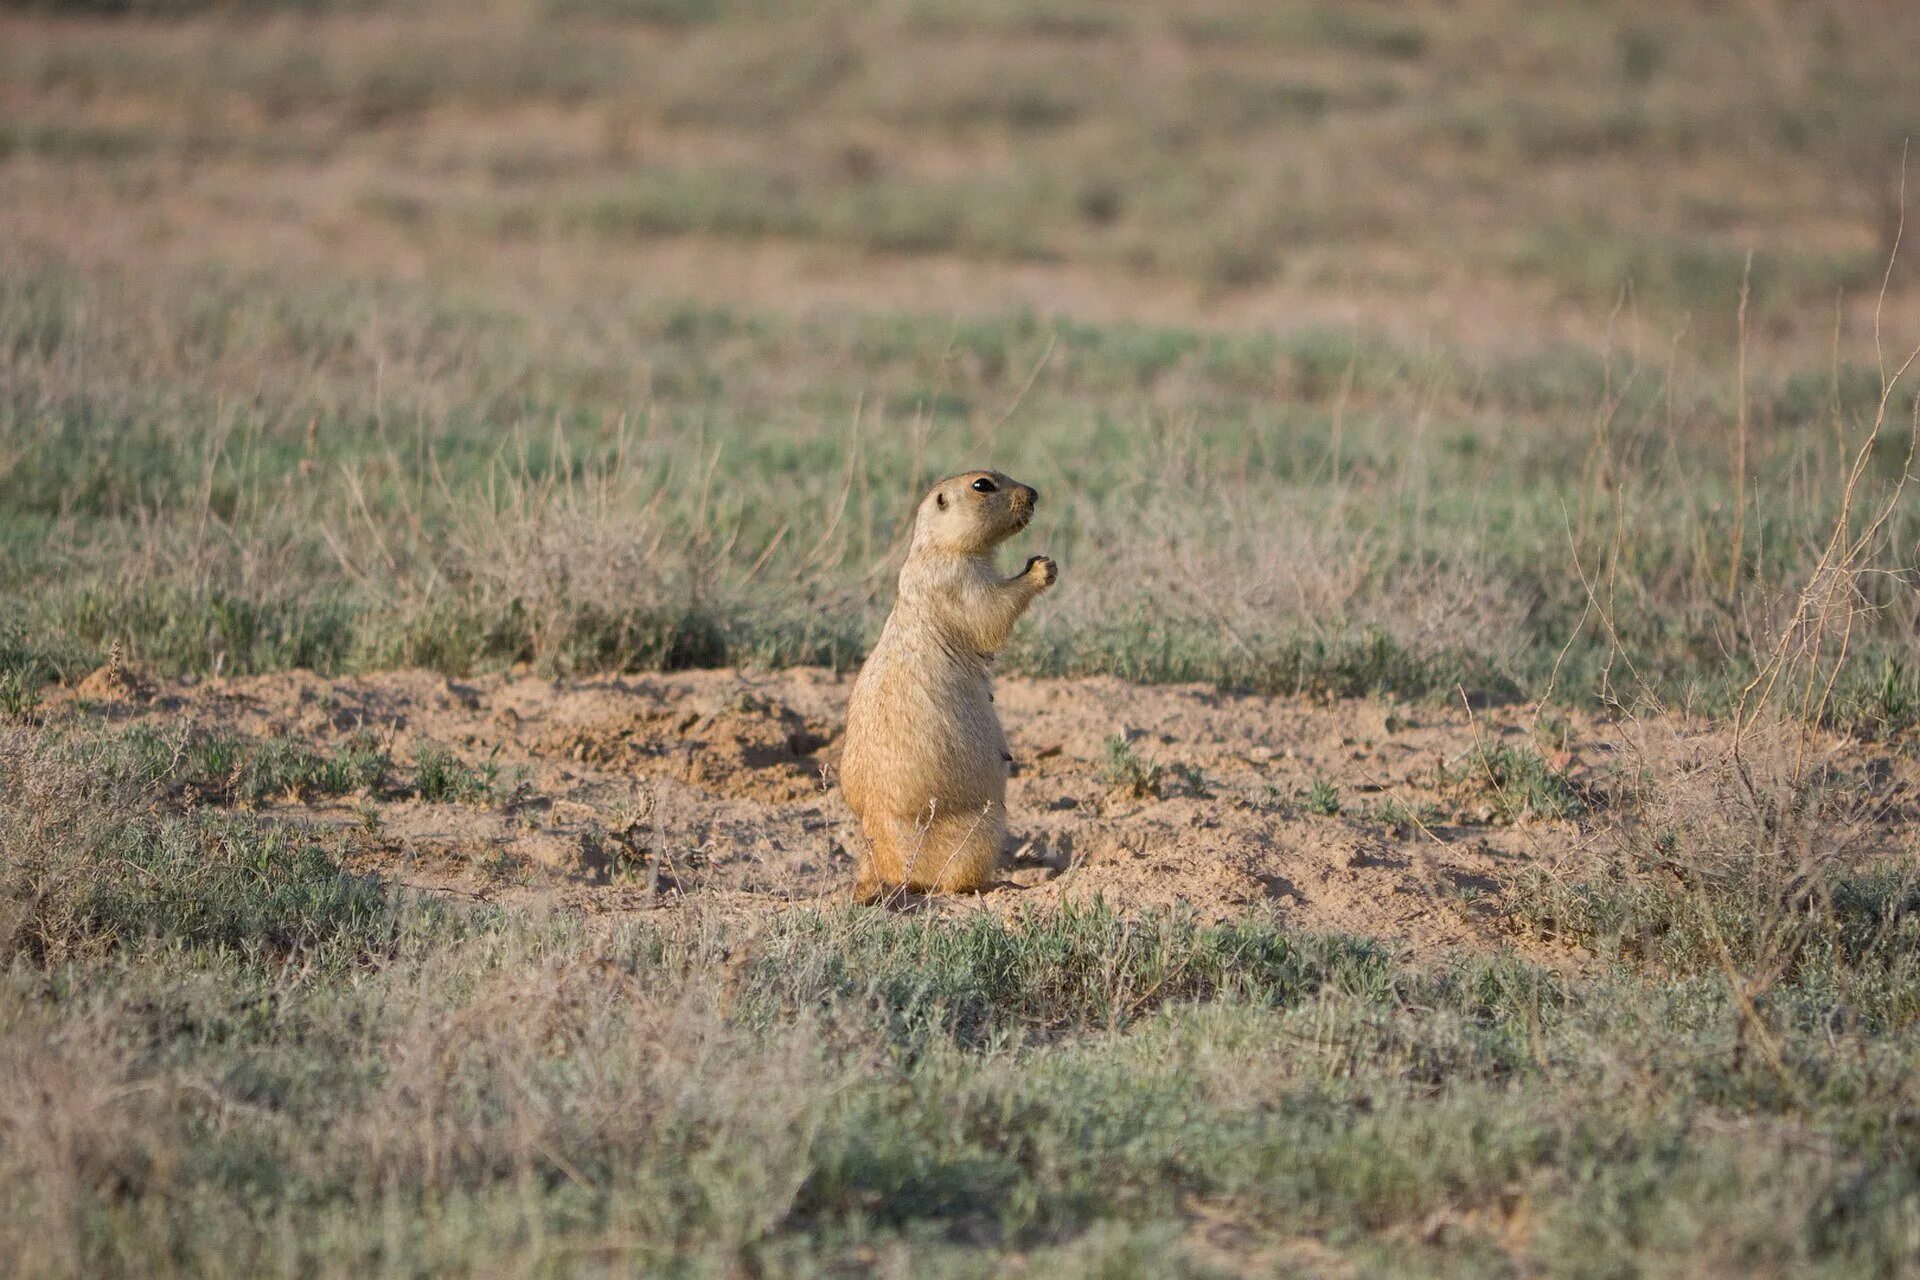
(1125, 769)
(831, 1089)
(19, 696)
(442, 777)
(223, 768)
(1518, 782)
(1322, 797)
(1402, 816)
(585, 546)
(91, 868)
(234, 462)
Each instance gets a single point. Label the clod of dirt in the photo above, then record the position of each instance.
(754, 748)
(114, 682)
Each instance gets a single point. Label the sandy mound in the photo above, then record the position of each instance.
(712, 790)
(112, 683)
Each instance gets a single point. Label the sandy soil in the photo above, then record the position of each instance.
(712, 790)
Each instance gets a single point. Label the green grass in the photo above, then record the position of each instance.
(221, 768)
(94, 865)
(1562, 522)
(1866, 926)
(225, 1051)
(1519, 782)
(19, 696)
(1322, 798)
(441, 777)
(1125, 769)
(1401, 816)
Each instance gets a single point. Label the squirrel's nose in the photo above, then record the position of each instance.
(1033, 495)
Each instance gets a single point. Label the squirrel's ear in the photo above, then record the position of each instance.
(940, 501)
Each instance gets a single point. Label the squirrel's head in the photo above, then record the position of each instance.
(972, 513)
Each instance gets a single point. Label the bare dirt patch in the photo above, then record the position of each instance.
(713, 789)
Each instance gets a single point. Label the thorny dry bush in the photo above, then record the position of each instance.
(1742, 847)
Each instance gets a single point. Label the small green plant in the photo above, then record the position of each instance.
(1274, 796)
(1125, 769)
(1400, 815)
(360, 764)
(513, 788)
(1897, 696)
(1881, 705)
(145, 753)
(284, 767)
(1322, 798)
(440, 777)
(1519, 783)
(1553, 731)
(19, 698)
(217, 763)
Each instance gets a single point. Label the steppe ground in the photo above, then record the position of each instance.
(453, 457)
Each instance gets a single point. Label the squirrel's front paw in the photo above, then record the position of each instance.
(1043, 568)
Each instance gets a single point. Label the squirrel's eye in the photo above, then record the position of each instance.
(984, 485)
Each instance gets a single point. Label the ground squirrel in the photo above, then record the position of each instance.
(925, 763)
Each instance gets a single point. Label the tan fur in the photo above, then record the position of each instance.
(925, 762)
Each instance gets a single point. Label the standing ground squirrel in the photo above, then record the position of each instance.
(925, 763)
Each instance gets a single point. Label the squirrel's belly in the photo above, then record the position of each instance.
(925, 735)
